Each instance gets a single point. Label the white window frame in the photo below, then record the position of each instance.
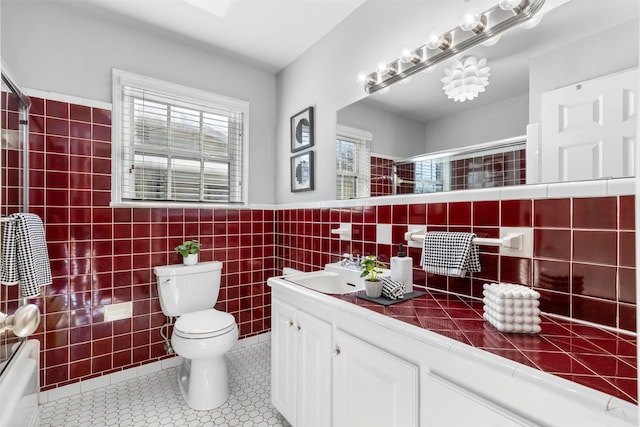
(364, 136)
(122, 78)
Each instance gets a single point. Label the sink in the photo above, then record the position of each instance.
(334, 279)
(327, 282)
(351, 274)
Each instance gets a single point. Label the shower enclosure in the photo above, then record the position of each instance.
(19, 357)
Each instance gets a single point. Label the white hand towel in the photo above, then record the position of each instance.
(25, 259)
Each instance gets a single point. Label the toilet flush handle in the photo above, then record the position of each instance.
(166, 282)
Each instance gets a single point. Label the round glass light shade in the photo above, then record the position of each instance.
(509, 4)
(470, 20)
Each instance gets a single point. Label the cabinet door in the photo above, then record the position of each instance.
(283, 359)
(372, 387)
(313, 338)
(452, 405)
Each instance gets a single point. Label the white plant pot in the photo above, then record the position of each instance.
(191, 259)
(373, 289)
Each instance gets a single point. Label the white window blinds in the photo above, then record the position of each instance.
(176, 147)
(353, 163)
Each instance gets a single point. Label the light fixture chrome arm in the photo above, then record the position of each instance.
(490, 23)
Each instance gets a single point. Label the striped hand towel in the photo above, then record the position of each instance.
(392, 289)
(24, 258)
(450, 254)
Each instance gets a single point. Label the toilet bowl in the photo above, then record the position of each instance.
(201, 335)
(203, 338)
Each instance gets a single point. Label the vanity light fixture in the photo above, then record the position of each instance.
(475, 28)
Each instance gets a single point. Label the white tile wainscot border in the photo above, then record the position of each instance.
(556, 190)
(127, 374)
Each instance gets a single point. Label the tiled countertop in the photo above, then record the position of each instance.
(597, 358)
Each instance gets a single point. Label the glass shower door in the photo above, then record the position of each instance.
(13, 189)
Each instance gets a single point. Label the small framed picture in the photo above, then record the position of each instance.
(302, 172)
(302, 130)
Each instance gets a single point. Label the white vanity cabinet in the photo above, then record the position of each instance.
(325, 376)
(337, 364)
(372, 387)
(301, 354)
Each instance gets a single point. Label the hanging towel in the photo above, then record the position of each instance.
(392, 289)
(24, 259)
(450, 254)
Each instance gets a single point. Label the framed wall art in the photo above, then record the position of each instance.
(302, 130)
(302, 172)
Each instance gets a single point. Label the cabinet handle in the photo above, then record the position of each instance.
(289, 323)
(337, 351)
(299, 327)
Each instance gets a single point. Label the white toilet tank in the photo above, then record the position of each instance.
(187, 288)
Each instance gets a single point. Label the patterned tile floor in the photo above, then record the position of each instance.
(155, 399)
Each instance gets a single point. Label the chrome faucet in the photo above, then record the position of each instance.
(350, 261)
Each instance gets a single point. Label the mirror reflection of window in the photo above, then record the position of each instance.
(353, 163)
(422, 177)
(497, 164)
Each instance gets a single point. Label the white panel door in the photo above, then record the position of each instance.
(589, 129)
(372, 387)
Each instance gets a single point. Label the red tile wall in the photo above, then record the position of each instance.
(102, 255)
(584, 248)
(381, 176)
(498, 170)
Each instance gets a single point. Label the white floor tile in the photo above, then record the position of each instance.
(155, 399)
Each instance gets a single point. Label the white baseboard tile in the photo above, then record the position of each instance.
(124, 375)
(170, 363)
(252, 340)
(58, 393)
(149, 368)
(95, 383)
(129, 374)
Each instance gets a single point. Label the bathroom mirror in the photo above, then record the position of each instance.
(576, 42)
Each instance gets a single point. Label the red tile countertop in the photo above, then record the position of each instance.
(594, 357)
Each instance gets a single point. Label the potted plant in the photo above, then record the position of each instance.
(189, 251)
(371, 269)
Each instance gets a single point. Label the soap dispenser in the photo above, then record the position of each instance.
(402, 269)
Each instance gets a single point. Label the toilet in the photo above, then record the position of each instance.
(201, 335)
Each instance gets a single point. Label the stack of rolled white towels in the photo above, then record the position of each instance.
(512, 308)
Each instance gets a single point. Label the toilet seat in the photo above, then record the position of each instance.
(204, 324)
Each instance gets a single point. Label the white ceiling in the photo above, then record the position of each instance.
(270, 32)
(273, 33)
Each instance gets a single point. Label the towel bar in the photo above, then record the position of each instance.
(511, 240)
(7, 219)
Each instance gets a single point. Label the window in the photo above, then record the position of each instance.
(353, 163)
(176, 144)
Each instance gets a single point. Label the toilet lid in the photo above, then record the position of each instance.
(204, 324)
